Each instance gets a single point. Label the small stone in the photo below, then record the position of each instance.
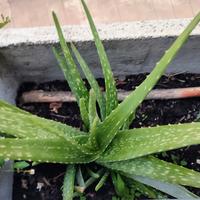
(40, 186)
(24, 184)
(31, 171)
(198, 161)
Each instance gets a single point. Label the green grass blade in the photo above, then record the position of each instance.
(173, 190)
(157, 169)
(75, 80)
(134, 143)
(68, 184)
(108, 129)
(111, 92)
(92, 81)
(43, 150)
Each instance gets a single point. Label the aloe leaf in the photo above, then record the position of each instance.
(92, 81)
(173, 190)
(92, 143)
(30, 126)
(69, 67)
(45, 150)
(129, 121)
(68, 183)
(92, 179)
(111, 92)
(64, 67)
(9, 106)
(19, 123)
(94, 121)
(92, 174)
(102, 180)
(108, 129)
(80, 180)
(144, 189)
(92, 107)
(21, 165)
(154, 168)
(84, 113)
(129, 144)
(120, 187)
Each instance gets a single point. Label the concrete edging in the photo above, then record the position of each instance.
(132, 47)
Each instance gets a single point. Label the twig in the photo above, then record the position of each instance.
(39, 96)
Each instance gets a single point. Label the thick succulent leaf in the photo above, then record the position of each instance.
(69, 67)
(154, 168)
(21, 165)
(84, 113)
(120, 187)
(43, 150)
(26, 125)
(92, 107)
(129, 121)
(94, 121)
(92, 81)
(173, 190)
(7, 106)
(80, 180)
(19, 123)
(64, 67)
(111, 92)
(138, 142)
(108, 129)
(144, 189)
(68, 183)
(102, 180)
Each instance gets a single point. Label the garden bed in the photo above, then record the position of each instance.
(150, 113)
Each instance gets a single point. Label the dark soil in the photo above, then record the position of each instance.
(150, 113)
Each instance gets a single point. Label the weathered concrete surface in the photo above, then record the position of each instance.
(132, 48)
(6, 181)
(8, 89)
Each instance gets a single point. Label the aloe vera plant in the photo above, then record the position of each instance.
(105, 139)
